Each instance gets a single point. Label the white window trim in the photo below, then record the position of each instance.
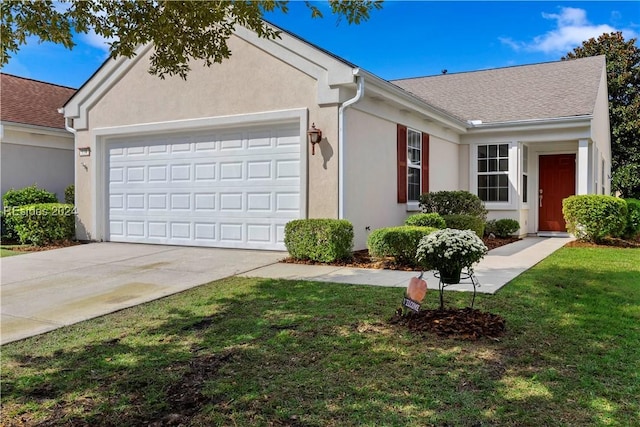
(512, 174)
(524, 147)
(414, 205)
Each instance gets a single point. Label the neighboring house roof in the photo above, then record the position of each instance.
(527, 92)
(32, 102)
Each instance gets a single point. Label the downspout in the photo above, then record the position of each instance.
(341, 138)
(72, 131)
(67, 126)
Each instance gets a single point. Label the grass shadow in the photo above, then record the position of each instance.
(274, 352)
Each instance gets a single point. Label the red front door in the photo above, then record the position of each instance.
(557, 182)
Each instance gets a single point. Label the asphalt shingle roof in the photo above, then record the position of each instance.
(32, 102)
(527, 92)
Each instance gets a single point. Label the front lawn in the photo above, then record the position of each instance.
(273, 352)
(7, 251)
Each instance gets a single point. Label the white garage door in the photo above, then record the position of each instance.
(233, 188)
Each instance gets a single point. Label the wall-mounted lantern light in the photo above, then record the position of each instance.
(315, 136)
(84, 151)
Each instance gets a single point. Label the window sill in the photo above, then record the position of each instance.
(413, 206)
(498, 206)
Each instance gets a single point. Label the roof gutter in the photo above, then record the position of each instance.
(67, 123)
(341, 137)
(478, 124)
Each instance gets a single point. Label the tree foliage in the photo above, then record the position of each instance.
(181, 31)
(623, 80)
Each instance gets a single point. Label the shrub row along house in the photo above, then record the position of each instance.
(224, 158)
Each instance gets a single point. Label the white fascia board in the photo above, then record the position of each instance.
(399, 96)
(105, 78)
(533, 125)
(43, 130)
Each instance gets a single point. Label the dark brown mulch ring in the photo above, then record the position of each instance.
(464, 323)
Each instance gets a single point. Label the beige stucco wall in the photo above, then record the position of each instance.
(31, 158)
(444, 165)
(371, 169)
(251, 81)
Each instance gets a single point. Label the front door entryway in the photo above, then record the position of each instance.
(557, 181)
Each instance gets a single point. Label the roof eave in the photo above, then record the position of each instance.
(35, 128)
(546, 123)
(411, 101)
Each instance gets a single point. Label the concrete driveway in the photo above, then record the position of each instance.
(42, 291)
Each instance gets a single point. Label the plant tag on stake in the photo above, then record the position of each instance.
(416, 290)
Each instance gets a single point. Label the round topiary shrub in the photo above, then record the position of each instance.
(453, 203)
(426, 220)
(594, 217)
(398, 242)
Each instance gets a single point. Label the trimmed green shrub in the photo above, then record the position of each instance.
(465, 222)
(399, 242)
(502, 227)
(4, 231)
(44, 223)
(323, 240)
(632, 228)
(453, 203)
(28, 196)
(594, 217)
(70, 195)
(426, 220)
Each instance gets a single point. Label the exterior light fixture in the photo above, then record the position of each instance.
(315, 136)
(84, 151)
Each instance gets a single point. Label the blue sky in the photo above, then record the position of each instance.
(404, 39)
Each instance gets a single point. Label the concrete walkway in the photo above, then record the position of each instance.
(43, 291)
(495, 270)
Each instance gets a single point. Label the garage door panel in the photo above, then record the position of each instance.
(231, 188)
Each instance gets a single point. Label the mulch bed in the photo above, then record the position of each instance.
(463, 323)
(362, 259)
(30, 248)
(607, 242)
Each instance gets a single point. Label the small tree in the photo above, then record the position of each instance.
(623, 83)
(180, 30)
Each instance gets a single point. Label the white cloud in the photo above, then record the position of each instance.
(572, 28)
(93, 39)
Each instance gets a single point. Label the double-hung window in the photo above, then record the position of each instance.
(493, 172)
(414, 168)
(525, 174)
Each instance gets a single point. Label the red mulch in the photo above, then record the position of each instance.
(463, 323)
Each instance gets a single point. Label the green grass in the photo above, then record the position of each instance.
(275, 352)
(6, 251)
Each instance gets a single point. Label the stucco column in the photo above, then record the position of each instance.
(582, 163)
